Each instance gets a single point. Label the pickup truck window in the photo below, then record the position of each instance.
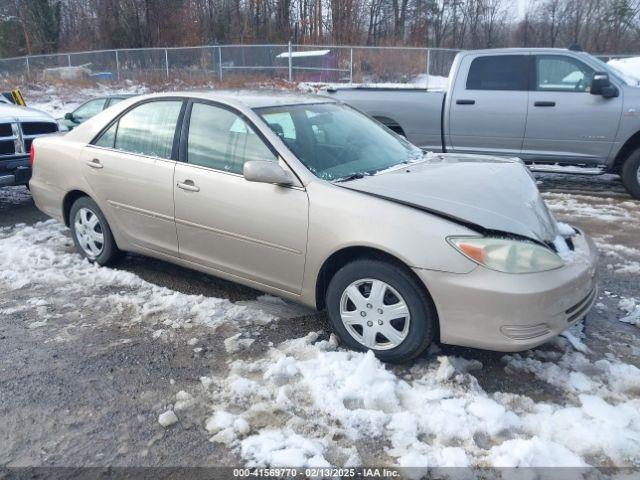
(499, 72)
(559, 73)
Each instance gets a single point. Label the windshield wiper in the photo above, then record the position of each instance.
(353, 176)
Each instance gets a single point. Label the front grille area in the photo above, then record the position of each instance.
(5, 130)
(7, 147)
(16, 138)
(38, 128)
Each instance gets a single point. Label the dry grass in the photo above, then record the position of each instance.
(151, 81)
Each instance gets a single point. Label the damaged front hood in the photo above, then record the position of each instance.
(488, 192)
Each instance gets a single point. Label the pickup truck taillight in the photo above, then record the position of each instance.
(32, 155)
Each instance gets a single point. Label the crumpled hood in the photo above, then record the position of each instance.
(9, 113)
(489, 192)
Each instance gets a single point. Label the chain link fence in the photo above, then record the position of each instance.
(288, 62)
(421, 67)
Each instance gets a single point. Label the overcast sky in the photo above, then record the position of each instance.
(520, 7)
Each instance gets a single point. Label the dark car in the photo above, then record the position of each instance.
(88, 109)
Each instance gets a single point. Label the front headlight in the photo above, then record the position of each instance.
(505, 255)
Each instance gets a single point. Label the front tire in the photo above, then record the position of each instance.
(630, 174)
(91, 233)
(378, 306)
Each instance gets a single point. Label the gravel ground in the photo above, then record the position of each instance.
(82, 383)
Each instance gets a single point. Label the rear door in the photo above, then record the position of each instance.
(565, 122)
(130, 170)
(488, 108)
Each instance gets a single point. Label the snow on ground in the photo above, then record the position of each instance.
(307, 403)
(42, 257)
(607, 209)
(13, 196)
(56, 101)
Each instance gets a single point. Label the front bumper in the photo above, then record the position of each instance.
(512, 312)
(14, 171)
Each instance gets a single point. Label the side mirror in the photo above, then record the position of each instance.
(262, 171)
(601, 85)
(68, 116)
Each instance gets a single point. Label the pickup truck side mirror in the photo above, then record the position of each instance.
(68, 116)
(601, 85)
(262, 171)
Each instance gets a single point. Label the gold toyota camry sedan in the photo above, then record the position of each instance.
(306, 198)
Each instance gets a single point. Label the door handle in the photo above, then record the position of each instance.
(544, 104)
(188, 185)
(465, 102)
(95, 163)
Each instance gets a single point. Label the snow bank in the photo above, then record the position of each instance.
(436, 414)
(42, 257)
(632, 308)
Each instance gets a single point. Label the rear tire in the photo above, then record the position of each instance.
(91, 232)
(630, 174)
(376, 305)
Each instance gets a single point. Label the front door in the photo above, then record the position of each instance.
(253, 231)
(565, 122)
(488, 111)
(130, 170)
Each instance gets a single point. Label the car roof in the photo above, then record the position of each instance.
(252, 98)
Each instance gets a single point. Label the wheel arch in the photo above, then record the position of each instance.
(630, 146)
(68, 201)
(345, 255)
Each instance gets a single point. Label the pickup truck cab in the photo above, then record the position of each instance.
(547, 106)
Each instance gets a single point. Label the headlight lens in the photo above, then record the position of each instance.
(505, 255)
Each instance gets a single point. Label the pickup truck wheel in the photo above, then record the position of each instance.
(91, 233)
(631, 174)
(378, 306)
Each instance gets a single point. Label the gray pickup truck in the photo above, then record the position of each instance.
(550, 107)
(18, 127)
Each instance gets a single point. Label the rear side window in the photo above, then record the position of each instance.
(221, 139)
(147, 129)
(499, 72)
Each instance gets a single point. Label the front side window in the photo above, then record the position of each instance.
(88, 109)
(499, 72)
(147, 129)
(336, 142)
(221, 139)
(558, 73)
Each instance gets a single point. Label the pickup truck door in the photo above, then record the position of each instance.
(565, 122)
(488, 107)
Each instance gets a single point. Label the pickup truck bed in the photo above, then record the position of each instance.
(415, 114)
